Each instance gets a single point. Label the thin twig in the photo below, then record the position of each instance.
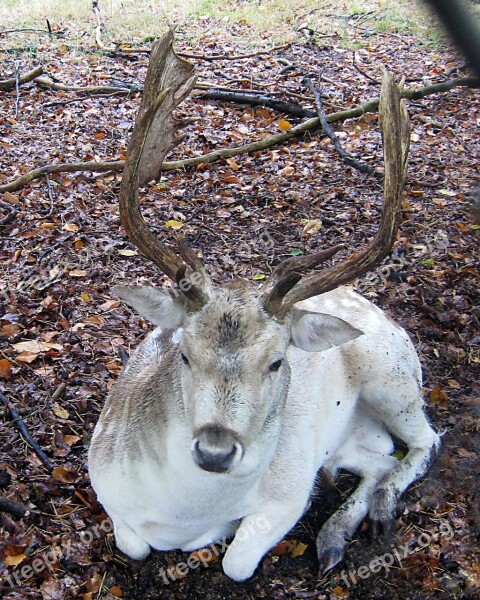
(344, 155)
(58, 393)
(17, 91)
(9, 218)
(18, 422)
(289, 66)
(362, 72)
(50, 196)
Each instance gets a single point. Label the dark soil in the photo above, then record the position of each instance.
(62, 252)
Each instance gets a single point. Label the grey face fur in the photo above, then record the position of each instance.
(237, 378)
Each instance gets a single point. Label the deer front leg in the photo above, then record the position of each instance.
(256, 534)
(129, 542)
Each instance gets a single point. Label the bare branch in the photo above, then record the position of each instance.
(233, 56)
(278, 138)
(18, 421)
(344, 155)
(91, 89)
(10, 84)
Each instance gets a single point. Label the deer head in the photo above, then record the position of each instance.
(233, 339)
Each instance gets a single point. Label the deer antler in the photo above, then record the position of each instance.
(287, 290)
(154, 135)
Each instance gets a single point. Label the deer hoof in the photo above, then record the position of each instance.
(329, 558)
(385, 528)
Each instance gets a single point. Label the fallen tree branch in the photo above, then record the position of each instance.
(9, 217)
(444, 86)
(10, 84)
(254, 99)
(29, 30)
(272, 140)
(18, 422)
(92, 89)
(116, 165)
(17, 509)
(326, 127)
(233, 56)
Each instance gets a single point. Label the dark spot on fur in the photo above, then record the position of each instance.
(230, 329)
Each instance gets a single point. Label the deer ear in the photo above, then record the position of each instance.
(314, 332)
(161, 307)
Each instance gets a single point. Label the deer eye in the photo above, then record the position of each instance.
(185, 359)
(275, 365)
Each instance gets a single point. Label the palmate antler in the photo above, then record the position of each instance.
(395, 127)
(169, 80)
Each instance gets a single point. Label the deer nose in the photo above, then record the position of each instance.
(216, 448)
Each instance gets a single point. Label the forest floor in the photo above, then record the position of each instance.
(64, 248)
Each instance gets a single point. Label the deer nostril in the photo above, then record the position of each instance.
(216, 461)
(215, 449)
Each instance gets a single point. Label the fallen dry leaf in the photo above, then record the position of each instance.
(60, 411)
(36, 346)
(64, 474)
(109, 305)
(95, 320)
(284, 125)
(71, 439)
(71, 227)
(10, 198)
(287, 171)
(10, 329)
(205, 555)
(5, 369)
(27, 357)
(173, 224)
(438, 396)
(13, 561)
(281, 548)
(296, 548)
(312, 227)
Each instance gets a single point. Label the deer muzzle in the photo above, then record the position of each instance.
(216, 448)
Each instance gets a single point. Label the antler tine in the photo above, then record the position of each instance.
(190, 257)
(396, 137)
(288, 273)
(154, 135)
(194, 285)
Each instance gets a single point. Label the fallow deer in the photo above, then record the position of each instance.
(225, 413)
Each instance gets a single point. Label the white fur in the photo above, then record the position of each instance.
(341, 408)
